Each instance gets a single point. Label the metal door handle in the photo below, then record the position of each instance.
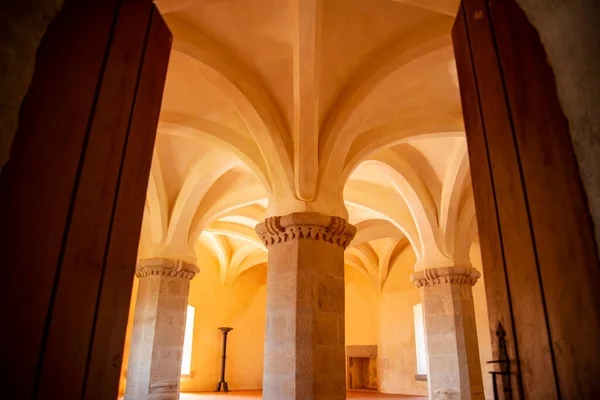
(504, 365)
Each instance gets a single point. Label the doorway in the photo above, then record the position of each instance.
(533, 221)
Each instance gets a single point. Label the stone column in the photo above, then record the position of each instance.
(304, 343)
(453, 367)
(154, 368)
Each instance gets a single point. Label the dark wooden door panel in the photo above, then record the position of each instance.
(498, 299)
(543, 238)
(561, 226)
(72, 198)
(534, 357)
(39, 181)
(82, 265)
(113, 306)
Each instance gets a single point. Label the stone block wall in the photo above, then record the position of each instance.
(22, 26)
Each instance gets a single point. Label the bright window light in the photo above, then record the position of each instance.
(420, 340)
(186, 359)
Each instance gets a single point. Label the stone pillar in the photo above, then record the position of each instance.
(154, 368)
(453, 367)
(304, 343)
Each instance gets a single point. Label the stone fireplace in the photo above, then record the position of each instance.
(361, 367)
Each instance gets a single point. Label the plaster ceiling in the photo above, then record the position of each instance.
(345, 107)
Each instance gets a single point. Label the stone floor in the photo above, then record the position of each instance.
(257, 395)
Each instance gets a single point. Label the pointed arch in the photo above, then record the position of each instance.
(373, 229)
(190, 127)
(203, 174)
(454, 180)
(251, 211)
(238, 231)
(400, 248)
(244, 258)
(251, 97)
(423, 211)
(145, 243)
(157, 215)
(218, 203)
(221, 249)
(383, 137)
(367, 255)
(387, 204)
(354, 261)
(386, 257)
(466, 229)
(388, 59)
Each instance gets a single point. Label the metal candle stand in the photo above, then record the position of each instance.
(225, 331)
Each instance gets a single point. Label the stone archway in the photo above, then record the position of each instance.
(575, 81)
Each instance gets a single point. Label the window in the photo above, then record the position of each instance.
(186, 359)
(420, 340)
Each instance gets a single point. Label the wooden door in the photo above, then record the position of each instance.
(72, 198)
(539, 256)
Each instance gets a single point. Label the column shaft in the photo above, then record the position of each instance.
(304, 344)
(154, 368)
(454, 369)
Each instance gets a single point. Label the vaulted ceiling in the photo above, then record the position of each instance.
(345, 107)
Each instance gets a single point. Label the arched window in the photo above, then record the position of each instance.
(186, 358)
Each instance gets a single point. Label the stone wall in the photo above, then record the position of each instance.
(397, 349)
(362, 309)
(22, 25)
(570, 33)
(241, 306)
(384, 319)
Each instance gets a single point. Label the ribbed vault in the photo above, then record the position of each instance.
(345, 107)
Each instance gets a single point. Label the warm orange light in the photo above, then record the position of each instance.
(186, 359)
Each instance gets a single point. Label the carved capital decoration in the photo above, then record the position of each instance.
(306, 225)
(437, 276)
(165, 267)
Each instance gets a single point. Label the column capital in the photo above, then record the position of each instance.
(165, 267)
(437, 276)
(306, 225)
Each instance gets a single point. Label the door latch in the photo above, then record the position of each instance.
(504, 366)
